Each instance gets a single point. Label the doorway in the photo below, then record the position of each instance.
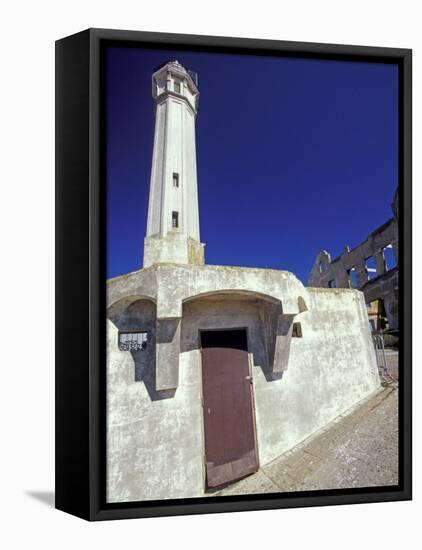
(229, 423)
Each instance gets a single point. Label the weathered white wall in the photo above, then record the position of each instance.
(154, 441)
(175, 246)
(330, 368)
(155, 446)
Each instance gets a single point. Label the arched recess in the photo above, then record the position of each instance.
(233, 293)
(271, 345)
(122, 304)
(232, 309)
(138, 314)
(319, 269)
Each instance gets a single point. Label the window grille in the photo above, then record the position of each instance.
(132, 341)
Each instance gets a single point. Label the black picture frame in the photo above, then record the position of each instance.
(80, 275)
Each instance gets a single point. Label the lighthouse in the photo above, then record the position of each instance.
(172, 234)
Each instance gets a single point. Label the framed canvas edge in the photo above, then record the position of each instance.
(97, 508)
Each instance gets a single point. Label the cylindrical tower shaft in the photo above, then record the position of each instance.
(173, 219)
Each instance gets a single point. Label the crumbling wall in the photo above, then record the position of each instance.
(351, 269)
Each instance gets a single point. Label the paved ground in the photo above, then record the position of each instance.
(358, 449)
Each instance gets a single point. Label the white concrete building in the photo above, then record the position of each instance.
(213, 371)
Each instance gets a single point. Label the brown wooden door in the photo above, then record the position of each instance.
(230, 451)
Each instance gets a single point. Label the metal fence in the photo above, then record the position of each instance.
(378, 341)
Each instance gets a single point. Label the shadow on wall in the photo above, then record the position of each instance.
(139, 315)
(260, 316)
(225, 311)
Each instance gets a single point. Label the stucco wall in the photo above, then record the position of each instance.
(155, 439)
(330, 368)
(154, 443)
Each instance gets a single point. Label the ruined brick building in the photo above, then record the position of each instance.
(372, 267)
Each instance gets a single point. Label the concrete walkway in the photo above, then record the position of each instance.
(358, 449)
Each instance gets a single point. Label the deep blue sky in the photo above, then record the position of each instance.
(294, 155)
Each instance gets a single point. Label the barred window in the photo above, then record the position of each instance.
(132, 341)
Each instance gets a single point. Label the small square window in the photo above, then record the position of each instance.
(132, 341)
(175, 179)
(175, 220)
(297, 330)
(177, 87)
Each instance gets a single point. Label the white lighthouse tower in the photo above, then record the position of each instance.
(173, 219)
